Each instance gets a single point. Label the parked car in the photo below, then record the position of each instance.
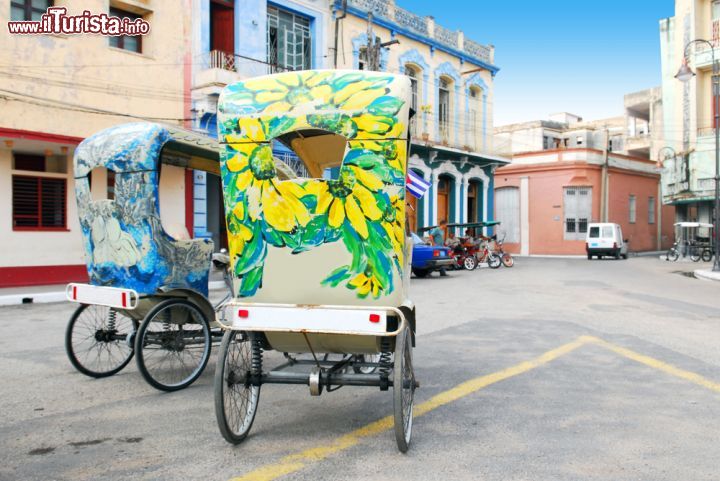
(427, 258)
(605, 239)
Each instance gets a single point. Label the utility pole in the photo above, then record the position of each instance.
(604, 179)
(375, 46)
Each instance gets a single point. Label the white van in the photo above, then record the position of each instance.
(605, 240)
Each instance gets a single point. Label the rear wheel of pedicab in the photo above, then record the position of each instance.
(96, 340)
(173, 345)
(672, 255)
(470, 263)
(695, 254)
(508, 261)
(403, 389)
(236, 399)
(494, 261)
(706, 255)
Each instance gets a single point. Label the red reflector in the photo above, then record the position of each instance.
(374, 317)
(75, 292)
(124, 299)
(243, 313)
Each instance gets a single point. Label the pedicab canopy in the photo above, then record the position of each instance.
(125, 243)
(319, 240)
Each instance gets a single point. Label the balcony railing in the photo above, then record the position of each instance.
(232, 62)
(424, 26)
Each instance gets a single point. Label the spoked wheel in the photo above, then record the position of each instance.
(494, 261)
(173, 345)
(361, 358)
(403, 389)
(469, 263)
(706, 255)
(508, 261)
(672, 255)
(96, 340)
(695, 255)
(236, 399)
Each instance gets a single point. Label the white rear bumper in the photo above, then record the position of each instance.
(103, 296)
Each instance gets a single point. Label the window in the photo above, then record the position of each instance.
(651, 210)
(24, 10)
(288, 39)
(579, 140)
(507, 211)
(715, 11)
(633, 209)
(594, 232)
(132, 43)
(472, 123)
(363, 58)
(444, 109)
(38, 203)
(414, 102)
(577, 204)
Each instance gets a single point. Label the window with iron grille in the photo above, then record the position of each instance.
(288, 39)
(577, 204)
(28, 10)
(38, 203)
(414, 103)
(444, 108)
(132, 43)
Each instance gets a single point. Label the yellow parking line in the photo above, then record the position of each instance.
(295, 462)
(657, 364)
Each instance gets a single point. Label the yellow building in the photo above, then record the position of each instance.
(453, 79)
(56, 90)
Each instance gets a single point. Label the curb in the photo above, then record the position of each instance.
(707, 275)
(59, 296)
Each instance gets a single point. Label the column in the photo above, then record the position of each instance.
(465, 189)
(524, 216)
(435, 177)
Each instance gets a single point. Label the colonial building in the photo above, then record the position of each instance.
(56, 90)
(566, 173)
(453, 80)
(689, 169)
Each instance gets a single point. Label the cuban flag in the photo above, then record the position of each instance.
(416, 185)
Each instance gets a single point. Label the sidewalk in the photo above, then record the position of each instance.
(10, 296)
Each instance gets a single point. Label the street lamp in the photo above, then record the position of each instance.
(684, 74)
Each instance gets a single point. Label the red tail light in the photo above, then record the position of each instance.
(374, 317)
(436, 253)
(243, 313)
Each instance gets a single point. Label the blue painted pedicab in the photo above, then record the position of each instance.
(148, 291)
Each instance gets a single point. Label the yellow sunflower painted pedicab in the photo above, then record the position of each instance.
(320, 264)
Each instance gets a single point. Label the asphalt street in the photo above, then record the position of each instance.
(554, 369)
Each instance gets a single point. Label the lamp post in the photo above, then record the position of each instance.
(684, 74)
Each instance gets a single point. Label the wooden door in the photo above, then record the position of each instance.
(443, 206)
(222, 30)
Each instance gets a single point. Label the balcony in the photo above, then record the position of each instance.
(424, 27)
(218, 69)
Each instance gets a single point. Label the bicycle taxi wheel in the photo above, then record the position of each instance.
(173, 344)
(99, 340)
(403, 389)
(236, 396)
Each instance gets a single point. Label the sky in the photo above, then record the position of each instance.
(560, 55)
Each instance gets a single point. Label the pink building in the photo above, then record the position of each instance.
(545, 200)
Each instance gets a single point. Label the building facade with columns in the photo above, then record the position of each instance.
(452, 80)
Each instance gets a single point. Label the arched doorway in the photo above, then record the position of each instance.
(475, 201)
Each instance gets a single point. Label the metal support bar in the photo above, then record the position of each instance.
(326, 379)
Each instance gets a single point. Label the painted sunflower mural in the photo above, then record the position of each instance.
(362, 209)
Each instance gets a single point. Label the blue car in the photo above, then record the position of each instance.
(428, 258)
